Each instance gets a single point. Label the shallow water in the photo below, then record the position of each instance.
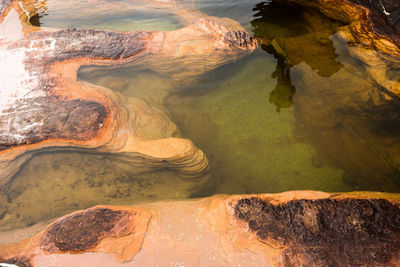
(299, 113)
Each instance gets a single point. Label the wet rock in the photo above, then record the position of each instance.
(380, 18)
(372, 35)
(74, 119)
(384, 16)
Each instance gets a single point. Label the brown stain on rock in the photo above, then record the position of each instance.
(88, 43)
(19, 261)
(50, 118)
(239, 39)
(84, 230)
(326, 232)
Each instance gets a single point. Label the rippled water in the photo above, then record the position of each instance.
(299, 113)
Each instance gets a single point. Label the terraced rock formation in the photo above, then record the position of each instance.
(299, 228)
(44, 107)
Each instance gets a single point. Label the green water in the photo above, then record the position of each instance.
(299, 113)
(250, 145)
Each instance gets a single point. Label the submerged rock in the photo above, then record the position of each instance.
(44, 107)
(299, 228)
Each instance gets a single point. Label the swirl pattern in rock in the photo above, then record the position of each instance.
(43, 106)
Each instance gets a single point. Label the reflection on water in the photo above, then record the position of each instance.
(250, 146)
(338, 108)
(299, 113)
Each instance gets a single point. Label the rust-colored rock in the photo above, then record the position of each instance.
(300, 228)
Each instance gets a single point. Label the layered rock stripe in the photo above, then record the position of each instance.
(43, 106)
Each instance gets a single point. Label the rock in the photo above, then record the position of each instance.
(44, 107)
(299, 228)
(372, 34)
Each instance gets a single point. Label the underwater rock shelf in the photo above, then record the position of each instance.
(299, 228)
(44, 107)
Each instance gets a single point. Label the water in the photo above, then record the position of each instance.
(299, 113)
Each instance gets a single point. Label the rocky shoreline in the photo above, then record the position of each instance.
(288, 229)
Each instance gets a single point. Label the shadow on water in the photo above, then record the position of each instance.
(293, 35)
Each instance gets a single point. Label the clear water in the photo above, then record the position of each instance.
(311, 119)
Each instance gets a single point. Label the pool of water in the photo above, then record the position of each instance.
(298, 113)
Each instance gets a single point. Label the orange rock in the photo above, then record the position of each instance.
(299, 228)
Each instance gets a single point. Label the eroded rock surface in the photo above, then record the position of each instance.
(101, 228)
(300, 228)
(94, 225)
(73, 119)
